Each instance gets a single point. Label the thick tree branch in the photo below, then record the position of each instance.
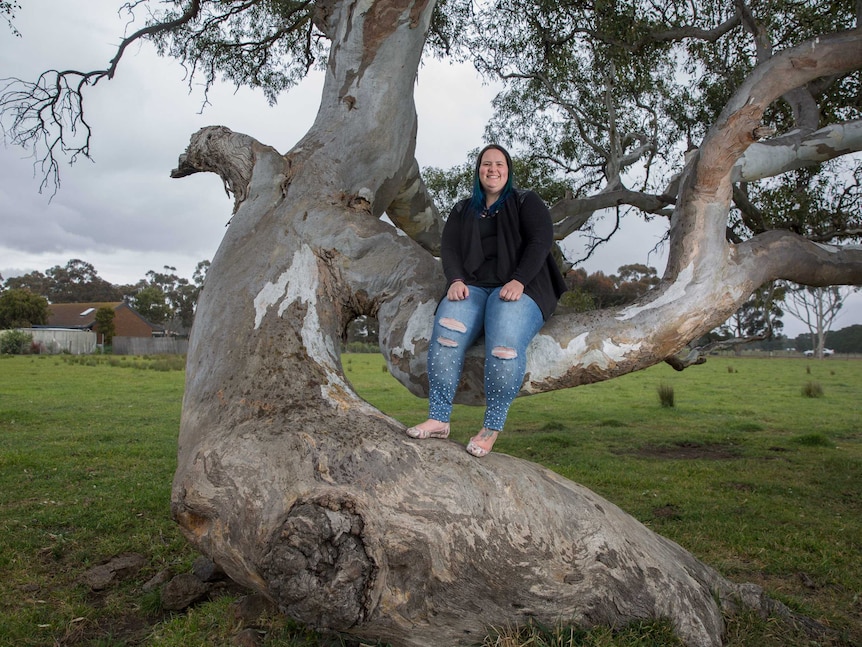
(570, 214)
(701, 214)
(779, 254)
(797, 149)
(413, 211)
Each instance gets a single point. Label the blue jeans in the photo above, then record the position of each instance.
(509, 328)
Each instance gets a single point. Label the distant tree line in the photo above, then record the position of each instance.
(844, 340)
(161, 297)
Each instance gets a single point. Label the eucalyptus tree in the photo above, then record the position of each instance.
(759, 318)
(817, 308)
(300, 489)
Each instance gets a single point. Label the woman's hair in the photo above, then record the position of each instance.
(477, 201)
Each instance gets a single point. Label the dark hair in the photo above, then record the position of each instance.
(477, 201)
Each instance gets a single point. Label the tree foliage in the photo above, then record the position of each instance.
(843, 340)
(151, 304)
(21, 308)
(7, 12)
(105, 324)
(15, 342)
(760, 316)
(178, 293)
(266, 45)
(75, 282)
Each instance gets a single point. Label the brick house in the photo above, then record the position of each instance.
(82, 316)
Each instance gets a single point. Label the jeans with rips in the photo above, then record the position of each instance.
(509, 327)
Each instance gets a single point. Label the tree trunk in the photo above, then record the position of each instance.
(301, 490)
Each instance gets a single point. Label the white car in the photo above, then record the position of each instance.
(826, 352)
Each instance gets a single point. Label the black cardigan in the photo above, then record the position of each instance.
(525, 235)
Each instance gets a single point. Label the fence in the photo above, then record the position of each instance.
(62, 340)
(149, 346)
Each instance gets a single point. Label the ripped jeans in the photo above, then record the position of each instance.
(509, 328)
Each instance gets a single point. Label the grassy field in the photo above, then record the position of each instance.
(756, 469)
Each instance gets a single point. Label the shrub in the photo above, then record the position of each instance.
(15, 342)
(812, 390)
(665, 395)
(813, 440)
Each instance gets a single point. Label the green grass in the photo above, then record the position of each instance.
(745, 471)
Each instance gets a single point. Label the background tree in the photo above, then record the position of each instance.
(844, 340)
(817, 308)
(151, 304)
(36, 282)
(75, 282)
(105, 324)
(604, 291)
(180, 296)
(759, 318)
(353, 527)
(78, 282)
(20, 308)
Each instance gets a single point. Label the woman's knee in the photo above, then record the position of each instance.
(450, 325)
(504, 352)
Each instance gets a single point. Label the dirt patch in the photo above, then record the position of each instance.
(687, 451)
(668, 511)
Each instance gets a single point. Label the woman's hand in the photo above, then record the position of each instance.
(458, 291)
(512, 291)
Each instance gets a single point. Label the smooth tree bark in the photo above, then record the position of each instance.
(303, 491)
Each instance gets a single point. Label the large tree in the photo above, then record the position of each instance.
(300, 489)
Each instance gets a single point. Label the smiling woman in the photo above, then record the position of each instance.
(503, 284)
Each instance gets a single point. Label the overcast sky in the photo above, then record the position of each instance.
(124, 214)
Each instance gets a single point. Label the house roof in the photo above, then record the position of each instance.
(83, 315)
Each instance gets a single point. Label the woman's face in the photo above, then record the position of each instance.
(493, 172)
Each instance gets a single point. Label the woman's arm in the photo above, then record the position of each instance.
(537, 232)
(450, 246)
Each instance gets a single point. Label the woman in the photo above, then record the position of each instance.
(502, 280)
